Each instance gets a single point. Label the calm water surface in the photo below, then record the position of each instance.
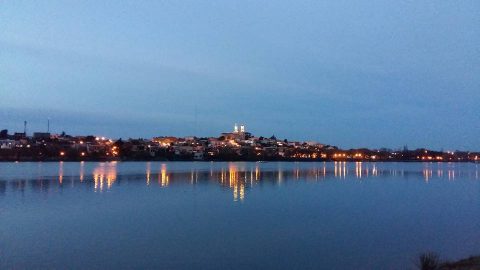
(200, 215)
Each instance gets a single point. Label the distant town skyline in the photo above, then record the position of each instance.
(236, 129)
(352, 74)
(236, 145)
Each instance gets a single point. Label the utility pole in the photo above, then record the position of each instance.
(196, 121)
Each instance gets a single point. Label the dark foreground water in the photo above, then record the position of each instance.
(235, 215)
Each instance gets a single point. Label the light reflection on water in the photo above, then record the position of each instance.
(104, 173)
(239, 177)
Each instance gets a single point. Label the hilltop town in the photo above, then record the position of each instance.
(238, 145)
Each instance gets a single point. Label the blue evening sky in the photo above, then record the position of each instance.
(347, 73)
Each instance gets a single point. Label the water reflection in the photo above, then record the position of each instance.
(358, 169)
(451, 174)
(82, 170)
(163, 177)
(427, 174)
(60, 173)
(239, 178)
(148, 172)
(374, 170)
(237, 185)
(105, 173)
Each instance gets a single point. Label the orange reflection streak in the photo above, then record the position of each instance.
(451, 174)
(105, 173)
(358, 169)
(427, 174)
(439, 173)
(232, 172)
(234, 183)
(340, 169)
(148, 173)
(193, 176)
(280, 175)
(82, 170)
(374, 170)
(222, 176)
(60, 172)
(335, 168)
(164, 177)
(112, 174)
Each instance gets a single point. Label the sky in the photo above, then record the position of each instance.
(346, 73)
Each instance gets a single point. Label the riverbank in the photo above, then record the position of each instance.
(431, 261)
(471, 263)
(53, 159)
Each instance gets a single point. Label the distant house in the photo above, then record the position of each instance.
(165, 141)
(19, 135)
(214, 142)
(190, 138)
(7, 144)
(198, 155)
(313, 143)
(41, 135)
(183, 149)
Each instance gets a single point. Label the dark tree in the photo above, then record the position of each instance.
(4, 134)
(428, 261)
(119, 143)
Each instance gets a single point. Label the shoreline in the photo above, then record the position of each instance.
(232, 160)
(431, 261)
